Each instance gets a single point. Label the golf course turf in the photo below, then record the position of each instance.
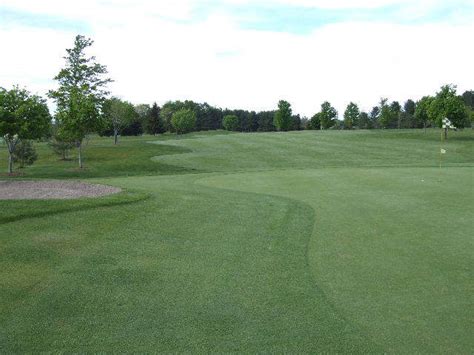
(333, 241)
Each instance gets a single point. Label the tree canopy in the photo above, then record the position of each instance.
(22, 117)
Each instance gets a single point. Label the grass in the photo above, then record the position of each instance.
(274, 242)
(102, 159)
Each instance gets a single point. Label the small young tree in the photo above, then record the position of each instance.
(230, 122)
(81, 93)
(283, 116)
(22, 116)
(183, 121)
(25, 153)
(60, 144)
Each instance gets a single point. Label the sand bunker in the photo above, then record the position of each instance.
(49, 189)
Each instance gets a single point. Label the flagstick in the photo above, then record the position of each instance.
(446, 125)
(440, 153)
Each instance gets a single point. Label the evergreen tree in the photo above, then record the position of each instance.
(154, 123)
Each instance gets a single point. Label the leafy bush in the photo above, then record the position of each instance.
(24, 153)
(230, 122)
(183, 121)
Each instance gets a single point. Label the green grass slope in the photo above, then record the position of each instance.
(320, 149)
(350, 242)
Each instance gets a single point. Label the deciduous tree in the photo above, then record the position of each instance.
(22, 117)
(183, 120)
(81, 93)
(328, 115)
(421, 110)
(448, 104)
(283, 115)
(351, 116)
(386, 113)
(230, 122)
(117, 115)
(315, 121)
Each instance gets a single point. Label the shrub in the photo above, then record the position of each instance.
(61, 146)
(25, 153)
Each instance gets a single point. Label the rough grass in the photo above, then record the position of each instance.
(294, 242)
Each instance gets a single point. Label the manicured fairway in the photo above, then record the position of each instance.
(277, 242)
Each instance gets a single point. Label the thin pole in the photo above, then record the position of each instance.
(440, 153)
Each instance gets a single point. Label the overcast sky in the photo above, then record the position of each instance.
(247, 54)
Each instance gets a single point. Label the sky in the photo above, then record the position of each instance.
(247, 54)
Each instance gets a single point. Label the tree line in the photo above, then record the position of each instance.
(84, 107)
(426, 112)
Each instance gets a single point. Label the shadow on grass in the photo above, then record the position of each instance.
(16, 210)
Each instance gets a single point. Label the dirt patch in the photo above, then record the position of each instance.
(49, 189)
(15, 174)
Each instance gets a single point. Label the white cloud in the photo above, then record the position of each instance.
(151, 58)
(328, 4)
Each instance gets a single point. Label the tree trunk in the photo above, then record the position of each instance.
(445, 133)
(79, 146)
(10, 162)
(424, 127)
(115, 136)
(11, 144)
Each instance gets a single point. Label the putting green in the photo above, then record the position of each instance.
(390, 248)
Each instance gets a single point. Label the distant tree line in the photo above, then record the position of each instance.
(83, 107)
(146, 119)
(426, 112)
